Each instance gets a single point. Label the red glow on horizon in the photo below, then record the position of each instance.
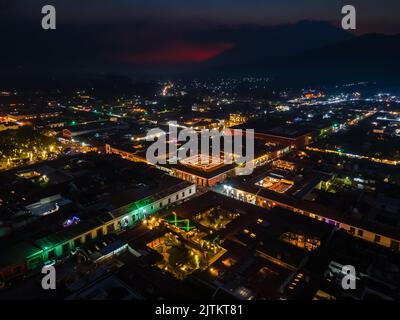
(177, 54)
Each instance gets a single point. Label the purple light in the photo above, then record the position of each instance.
(70, 222)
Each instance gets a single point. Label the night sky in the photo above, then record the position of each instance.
(121, 33)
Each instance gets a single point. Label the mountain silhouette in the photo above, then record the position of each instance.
(371, 57)
(253, 42)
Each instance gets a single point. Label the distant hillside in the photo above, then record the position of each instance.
(253, 42)
(368, 57)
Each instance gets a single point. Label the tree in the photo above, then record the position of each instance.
(177, 255)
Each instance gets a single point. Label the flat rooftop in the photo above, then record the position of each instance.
(334, 207)
(267, 232)
(97, 185)
(269, 128)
